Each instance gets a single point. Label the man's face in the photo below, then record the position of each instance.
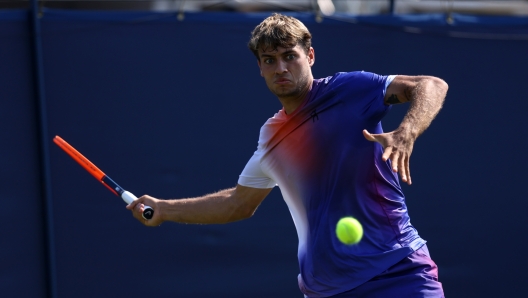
(287, 71)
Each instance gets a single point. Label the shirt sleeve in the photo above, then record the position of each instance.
(365, 91)
(253, 176)
(387, 83)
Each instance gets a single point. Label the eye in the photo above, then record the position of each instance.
(290, 57)
(268, 60)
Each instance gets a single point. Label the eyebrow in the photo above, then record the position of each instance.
(282, 54)
(288, 52)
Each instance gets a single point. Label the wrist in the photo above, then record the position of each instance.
(409, 131)
(161, 210)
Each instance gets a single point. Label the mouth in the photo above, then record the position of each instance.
(282, 81)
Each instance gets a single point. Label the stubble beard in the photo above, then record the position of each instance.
(292, 93)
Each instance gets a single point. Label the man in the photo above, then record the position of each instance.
(330, 158)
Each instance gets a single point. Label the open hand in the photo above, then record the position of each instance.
(398, 146)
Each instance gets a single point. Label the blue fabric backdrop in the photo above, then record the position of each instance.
(173, 108)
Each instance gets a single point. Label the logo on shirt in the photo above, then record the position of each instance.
(314, 115)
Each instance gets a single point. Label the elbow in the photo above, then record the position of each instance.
(247, 212)
(241, 213)
(440, 85)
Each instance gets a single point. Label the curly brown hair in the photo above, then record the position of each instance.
(279, 30)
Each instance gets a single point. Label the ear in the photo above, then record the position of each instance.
(311, 56)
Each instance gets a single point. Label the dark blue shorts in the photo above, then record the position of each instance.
(416, 276)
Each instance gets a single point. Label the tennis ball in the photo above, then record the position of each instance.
(349, 230)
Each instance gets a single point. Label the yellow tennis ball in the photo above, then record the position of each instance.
(349, 230)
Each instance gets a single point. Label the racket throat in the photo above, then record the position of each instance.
(112, 186)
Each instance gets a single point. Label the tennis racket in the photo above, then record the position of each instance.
(127, 196)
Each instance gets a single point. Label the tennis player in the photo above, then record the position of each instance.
(327, 153)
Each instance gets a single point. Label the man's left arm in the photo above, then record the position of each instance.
(426, 96)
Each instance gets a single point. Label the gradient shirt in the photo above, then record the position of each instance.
(326, 170)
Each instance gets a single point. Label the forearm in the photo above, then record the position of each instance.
(215, 208)
(223, 206)
(426, 99)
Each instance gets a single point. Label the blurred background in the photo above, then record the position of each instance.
(165, 98)
(358, 7)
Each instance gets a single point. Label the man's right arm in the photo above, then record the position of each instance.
(224, 206)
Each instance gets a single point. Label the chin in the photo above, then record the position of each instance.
(286, 93)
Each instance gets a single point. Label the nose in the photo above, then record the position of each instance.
(281, 67)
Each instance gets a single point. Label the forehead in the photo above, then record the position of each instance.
(278, 50)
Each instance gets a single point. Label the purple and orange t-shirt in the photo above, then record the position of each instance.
(327, 170)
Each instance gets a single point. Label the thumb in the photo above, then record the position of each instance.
(378, 138)
(133, 204)
(369, 136)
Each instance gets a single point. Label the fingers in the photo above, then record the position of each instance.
(132, 205)
(407, 172)
(400, 163)
(137, 209)
(138, 206)
(397, 149)
(403, 168)
(387, 153)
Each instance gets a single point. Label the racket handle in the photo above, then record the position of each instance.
(129, 197)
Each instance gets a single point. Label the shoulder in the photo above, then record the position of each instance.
(271, 126)
(277, 118)
(364, 76)
(357, 77)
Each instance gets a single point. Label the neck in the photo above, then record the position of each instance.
(291, 103)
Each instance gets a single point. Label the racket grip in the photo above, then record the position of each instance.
(129, 197)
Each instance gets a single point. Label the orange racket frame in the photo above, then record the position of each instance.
(128, 197)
